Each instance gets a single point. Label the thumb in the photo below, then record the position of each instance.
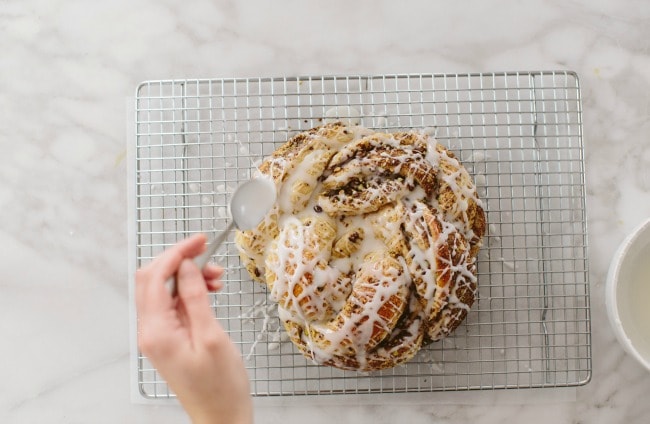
(193, 293)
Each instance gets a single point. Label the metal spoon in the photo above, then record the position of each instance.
(249, 204)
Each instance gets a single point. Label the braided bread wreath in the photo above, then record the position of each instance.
(370, 251)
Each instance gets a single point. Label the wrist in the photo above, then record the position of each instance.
(219, 417)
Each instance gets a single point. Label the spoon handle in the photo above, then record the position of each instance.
(202, 259)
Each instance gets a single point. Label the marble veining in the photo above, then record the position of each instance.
(67, 69)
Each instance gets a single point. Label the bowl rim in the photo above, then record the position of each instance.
(613, 274)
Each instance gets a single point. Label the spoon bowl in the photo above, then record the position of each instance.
(249, 205)
(251, 202)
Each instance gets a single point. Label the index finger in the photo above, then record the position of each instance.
(167, 263)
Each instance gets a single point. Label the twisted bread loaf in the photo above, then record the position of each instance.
(370, 250)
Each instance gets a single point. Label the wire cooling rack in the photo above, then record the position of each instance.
(519, 134)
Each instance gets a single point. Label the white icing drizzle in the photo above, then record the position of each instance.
(290, 201)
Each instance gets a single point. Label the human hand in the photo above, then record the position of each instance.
(184, 341)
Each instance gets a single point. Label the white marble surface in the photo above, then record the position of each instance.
(66, 68)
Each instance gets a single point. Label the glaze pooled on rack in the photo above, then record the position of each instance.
(370, 251)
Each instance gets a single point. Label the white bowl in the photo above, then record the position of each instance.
(628, 294)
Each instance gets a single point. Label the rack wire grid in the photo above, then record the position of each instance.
(519, 134)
